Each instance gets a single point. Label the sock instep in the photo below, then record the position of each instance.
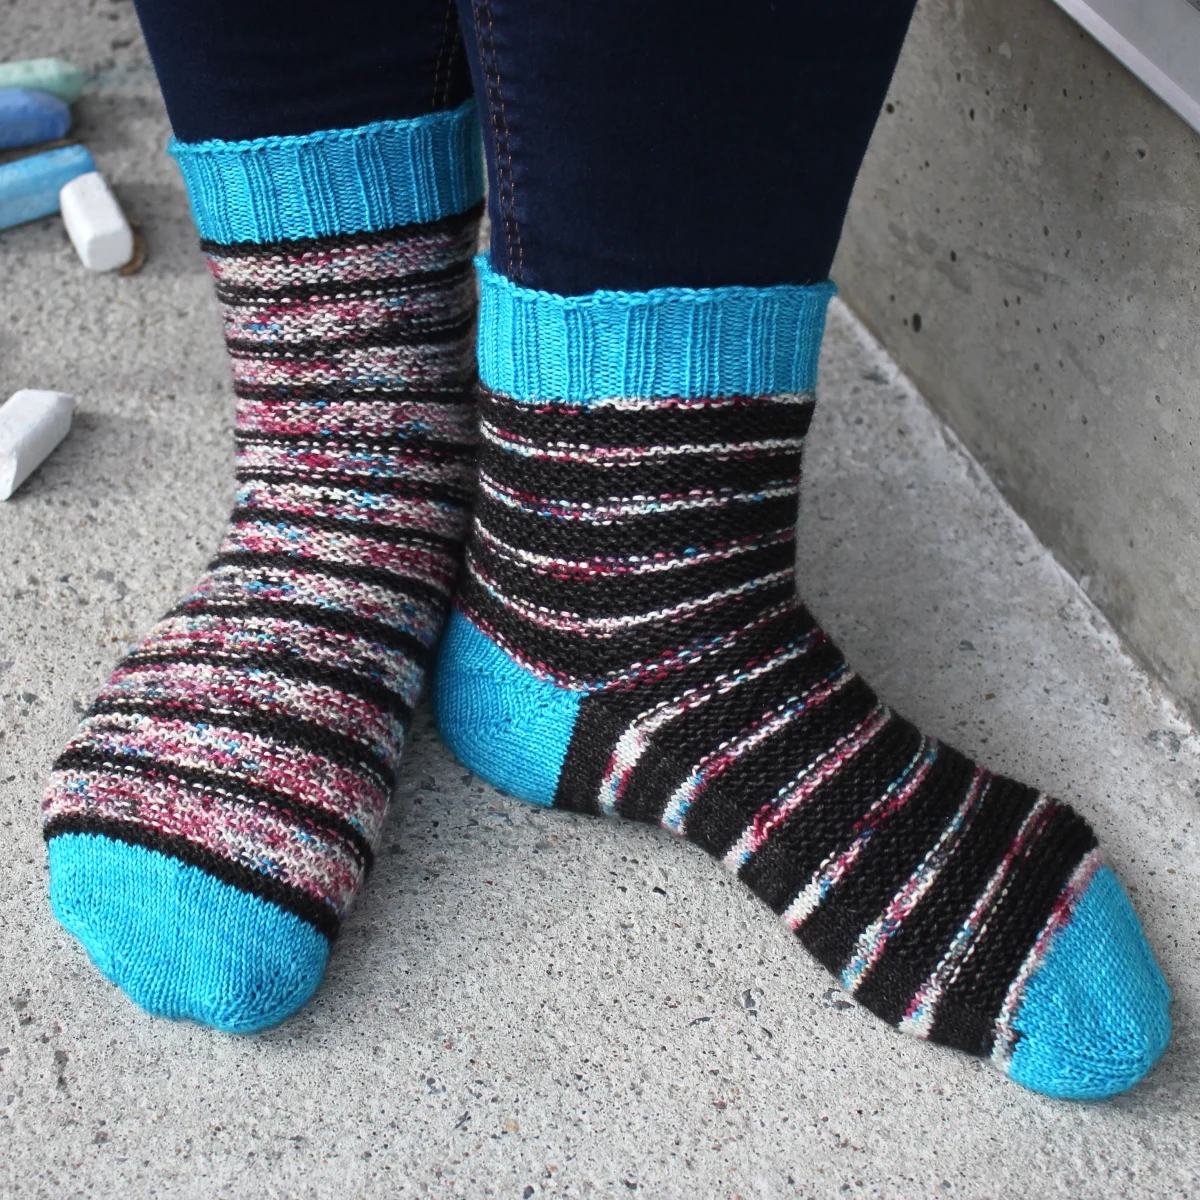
(219, 807)
(628, 641)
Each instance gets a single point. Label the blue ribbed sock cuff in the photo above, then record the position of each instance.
(667, 342)
(373, 177)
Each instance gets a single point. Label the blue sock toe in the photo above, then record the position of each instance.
(1094, 1016)
(180, 942)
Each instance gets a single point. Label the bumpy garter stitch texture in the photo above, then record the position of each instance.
(256, 731)
(629, 642)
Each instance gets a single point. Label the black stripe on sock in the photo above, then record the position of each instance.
(403, 487)
(786, 863)
(372, 531)
(966, 1016)
(915, 949)
(600, 594)
(719, 814)
(754, 778)
(415, 444)
(593, 657)
(334, 620)
(444, 226)
(327, 743)
(547, 423)
(341, 679)
(352, 392)
(895, 850)
(666, 478)
(574, 538)
(595, 734)
(331, 289)
(318, 914)
(599, 725)
(696, 662)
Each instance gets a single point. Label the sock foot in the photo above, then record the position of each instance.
(628, 641)
(1087, 1014)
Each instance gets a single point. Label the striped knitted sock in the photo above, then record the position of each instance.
(628, 641)
(218, 809)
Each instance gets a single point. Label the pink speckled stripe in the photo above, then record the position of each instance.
(210, 633)
(355, 261)
(358, 418)
(251, 835)
(391, 512)
(251, 757)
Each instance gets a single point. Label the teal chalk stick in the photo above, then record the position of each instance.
(29, 187)
(44, 75)
(28, 117)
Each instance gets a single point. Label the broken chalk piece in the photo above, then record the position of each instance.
(29, 187)
(28, 117)
(44, 75)
(95, 223)
(32, 423)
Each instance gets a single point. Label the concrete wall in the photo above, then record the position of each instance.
(1025, 239)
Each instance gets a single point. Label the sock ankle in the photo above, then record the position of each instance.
(628, 641)
(212, 820)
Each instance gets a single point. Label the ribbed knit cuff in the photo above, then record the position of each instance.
(373, 177)
(668, 342)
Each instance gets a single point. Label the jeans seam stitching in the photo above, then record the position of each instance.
(491, 106)
(437, 66)
(498, 130)
(456, 43)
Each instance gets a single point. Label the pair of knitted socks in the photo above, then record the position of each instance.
(626, 639)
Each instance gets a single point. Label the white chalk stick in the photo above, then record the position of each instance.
(95, 223)
(32, 423)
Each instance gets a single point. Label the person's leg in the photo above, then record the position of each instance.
(220, 805)
(627, 638)
(639, 145)
(240, 69)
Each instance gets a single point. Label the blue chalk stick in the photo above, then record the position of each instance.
(29, 187)
(28, 117)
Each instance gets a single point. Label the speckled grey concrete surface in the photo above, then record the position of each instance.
(529, 1003)
(1024, 239)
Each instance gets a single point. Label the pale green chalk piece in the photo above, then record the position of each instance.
(29, 187)
(44, 75)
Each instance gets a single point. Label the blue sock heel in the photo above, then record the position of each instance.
(500, 720)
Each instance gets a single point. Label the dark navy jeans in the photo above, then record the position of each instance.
(630, 144)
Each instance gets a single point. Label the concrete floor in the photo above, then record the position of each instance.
(528, 1003)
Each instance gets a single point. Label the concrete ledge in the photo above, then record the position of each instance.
(1024, 239)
